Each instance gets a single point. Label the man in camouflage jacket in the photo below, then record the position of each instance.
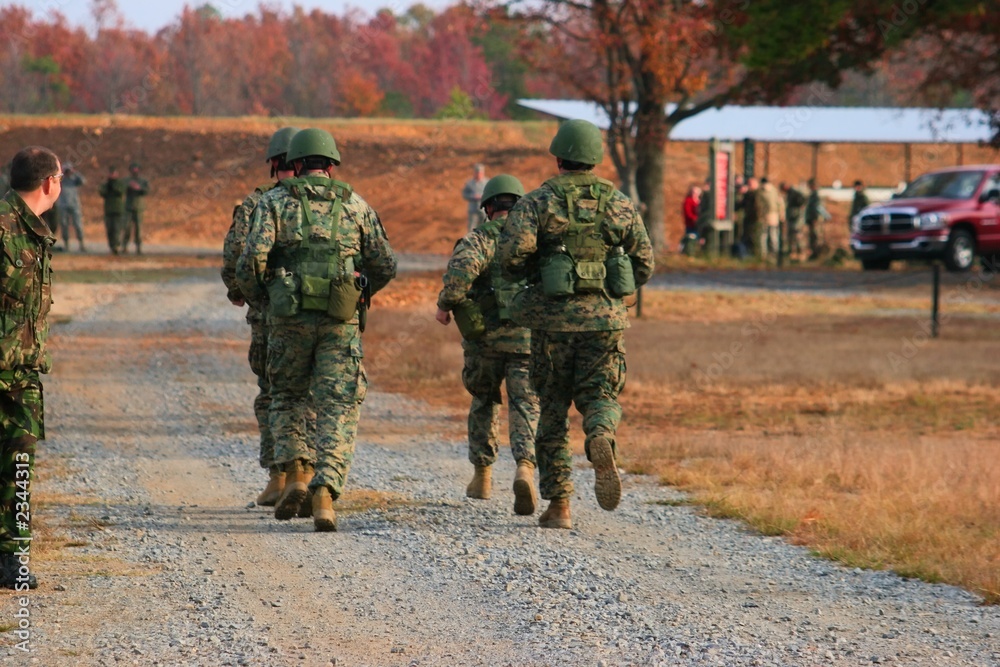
(500, 354)
(232, 248)
(313, 243)
(577, 343)
(25, 300)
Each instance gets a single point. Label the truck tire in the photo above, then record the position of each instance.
(876, 264)
(960, 253)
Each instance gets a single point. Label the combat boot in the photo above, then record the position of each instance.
(295, 491)
(306, 508)
(525, 499)
(275, 485)
(324, 518)
(10, 576)
(607, 483)
(557, 515)
(481, 484)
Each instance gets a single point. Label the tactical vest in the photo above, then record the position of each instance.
(316, 275)
(582, 262)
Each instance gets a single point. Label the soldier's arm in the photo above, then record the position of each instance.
(252, 264)
(518, 241)
(638, 247)
(379, 258)
(468, 261)
(232, 247)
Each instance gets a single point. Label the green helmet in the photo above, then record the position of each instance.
(578, 141)
(503, 184)
(313, 142)
(278, 145)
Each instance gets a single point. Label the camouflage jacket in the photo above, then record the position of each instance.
(113, 192)
(470, 275)
(25, 286)
(135, 199)
(538, 222)
(232, 246)
(277, 227)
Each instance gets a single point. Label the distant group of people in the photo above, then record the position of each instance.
(124, 206)
(787, 219)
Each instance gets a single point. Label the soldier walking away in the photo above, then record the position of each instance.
(318, 251)
(816, 217)
(496, 350)
(582, 247)
(25, 300)
(68, 205)
(232, 248)
(113, 192)
(135, 206)
(472, 193)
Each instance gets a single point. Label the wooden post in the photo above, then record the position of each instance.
(960, 154)
(907, 162)
(815, 164)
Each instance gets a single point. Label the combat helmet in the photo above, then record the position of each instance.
(578, 141)
(502, 184)
(313, 142)
(278, 145)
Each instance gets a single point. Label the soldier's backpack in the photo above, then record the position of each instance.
(583, 262)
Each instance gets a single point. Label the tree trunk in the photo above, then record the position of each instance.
(651, 163)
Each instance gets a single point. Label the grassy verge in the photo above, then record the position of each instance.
(811, 432)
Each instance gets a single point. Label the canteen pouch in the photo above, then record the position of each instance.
(558, 275)
(621, 280)
(315, 293)
(343, 300)
(469, 319)
(590, 277)
(503, 298)
(282, 295)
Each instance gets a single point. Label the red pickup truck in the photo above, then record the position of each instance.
(951, 214)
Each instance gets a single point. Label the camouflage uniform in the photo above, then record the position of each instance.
(501, 354)
(816, 217)
(135, 206)
(311, 350)
(795, 203)
(232, 248)
(577, 342)
(25, 299)
(113, 192)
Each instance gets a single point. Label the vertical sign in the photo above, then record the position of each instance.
(721, 185)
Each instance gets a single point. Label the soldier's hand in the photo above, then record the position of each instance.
(631, 300)
(443, 316)
(237, 302)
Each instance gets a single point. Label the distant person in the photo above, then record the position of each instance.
(473, 193)
(859, 203)
(770, 214)
(135, 205)
(795, 201)
(690, 210)
(575, 308)
(496, 354)
(68, 205)
(35, 176)
(112, 191)
(747, 206)
(816, 217)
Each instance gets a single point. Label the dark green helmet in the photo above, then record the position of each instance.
(578, 141)
(313, 142)
(503, 184)
(278, 145)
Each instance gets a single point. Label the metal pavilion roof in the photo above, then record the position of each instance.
(803, 124)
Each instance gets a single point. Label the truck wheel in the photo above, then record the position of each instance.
(876, 264)
(960, 253)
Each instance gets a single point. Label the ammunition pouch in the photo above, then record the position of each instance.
(282, 295)
(469, 318)
(590, 277)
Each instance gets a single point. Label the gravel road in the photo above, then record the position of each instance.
(153, 467)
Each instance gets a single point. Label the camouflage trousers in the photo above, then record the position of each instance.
(21, 427)
(482, 376)
(310, 352)
(113, 226)
(585, 368)
(262, 402)
(817, 237)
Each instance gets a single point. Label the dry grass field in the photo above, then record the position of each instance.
(835, 422)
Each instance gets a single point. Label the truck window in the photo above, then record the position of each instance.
(947, 185)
